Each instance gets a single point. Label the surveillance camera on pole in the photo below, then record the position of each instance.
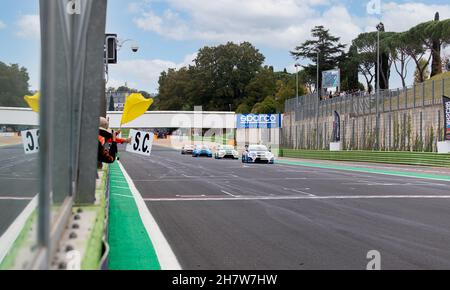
(135, 48)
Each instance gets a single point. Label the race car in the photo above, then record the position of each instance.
(187, 149)
(257, 153)
(226, 151)
(202, 150)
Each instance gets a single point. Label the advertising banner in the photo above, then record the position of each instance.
(331, 79)
(446, 102)
(337, 127)
(252, 121)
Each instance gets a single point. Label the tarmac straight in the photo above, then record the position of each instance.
(18, 183)
(223, 214)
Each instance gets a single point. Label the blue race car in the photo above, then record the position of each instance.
(202, 150)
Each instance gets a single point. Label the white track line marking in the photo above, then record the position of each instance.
(256, 198)
(15, 198)
(166, 257)
(190, 196)
(12, 233)
(122, 195)
(227, 193)
(19, 178)
(119, 187)
(299, 191)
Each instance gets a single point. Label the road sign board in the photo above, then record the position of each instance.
(141, 142)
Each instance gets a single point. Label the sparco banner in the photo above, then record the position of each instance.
(252, 121)
(446, 102)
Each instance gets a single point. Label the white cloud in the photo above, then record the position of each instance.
(275, 23)
(2, 25)
(29, 26)
(143, 74)
(134, 7)
(401, 17)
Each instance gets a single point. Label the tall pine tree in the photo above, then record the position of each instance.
(326, 45)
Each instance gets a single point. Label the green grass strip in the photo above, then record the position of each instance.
(130, 245)
(93, 255)
(368, 170)
(21, 242)
(406, 158)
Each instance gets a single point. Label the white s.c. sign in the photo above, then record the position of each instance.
(141, 142)
(30, 140)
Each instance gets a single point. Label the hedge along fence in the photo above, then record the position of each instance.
(406, 158)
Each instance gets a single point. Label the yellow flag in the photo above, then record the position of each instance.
(135, 106)
(33, 102)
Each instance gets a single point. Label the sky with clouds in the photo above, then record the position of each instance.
(170, 32)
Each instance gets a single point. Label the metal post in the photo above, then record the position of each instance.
(390, 101)
(406, 98)
(296, 80)
(318, 101)
(432, 92)
(377, 125)
(423, 94)
(92, 101)
(66, 77)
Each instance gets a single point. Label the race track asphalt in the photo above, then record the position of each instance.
(18, 183)
(222, 214)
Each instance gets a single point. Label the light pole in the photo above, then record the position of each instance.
(296, 79)
(380, 27)
(317, 80)
(116, 45)
(318, 99)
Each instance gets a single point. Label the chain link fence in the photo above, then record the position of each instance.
(409, 119)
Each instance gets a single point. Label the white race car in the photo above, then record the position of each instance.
(187, 149)
(226, 151)
(258, 153)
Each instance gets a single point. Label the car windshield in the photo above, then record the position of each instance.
(228, 147)
(202, 147)
(257, 148)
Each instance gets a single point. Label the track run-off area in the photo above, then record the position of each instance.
(204, 213)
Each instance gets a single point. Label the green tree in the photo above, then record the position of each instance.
(175, 89)
(431, 36)
(244, 108)
(350, 70)
(324, 45)
(424, 38)
(13, 85)
(262, 85)
(399, 55)
(268, 106)
(367, 45)
(222, 74)
(111, 104)
(422, 71)
(436, 43)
